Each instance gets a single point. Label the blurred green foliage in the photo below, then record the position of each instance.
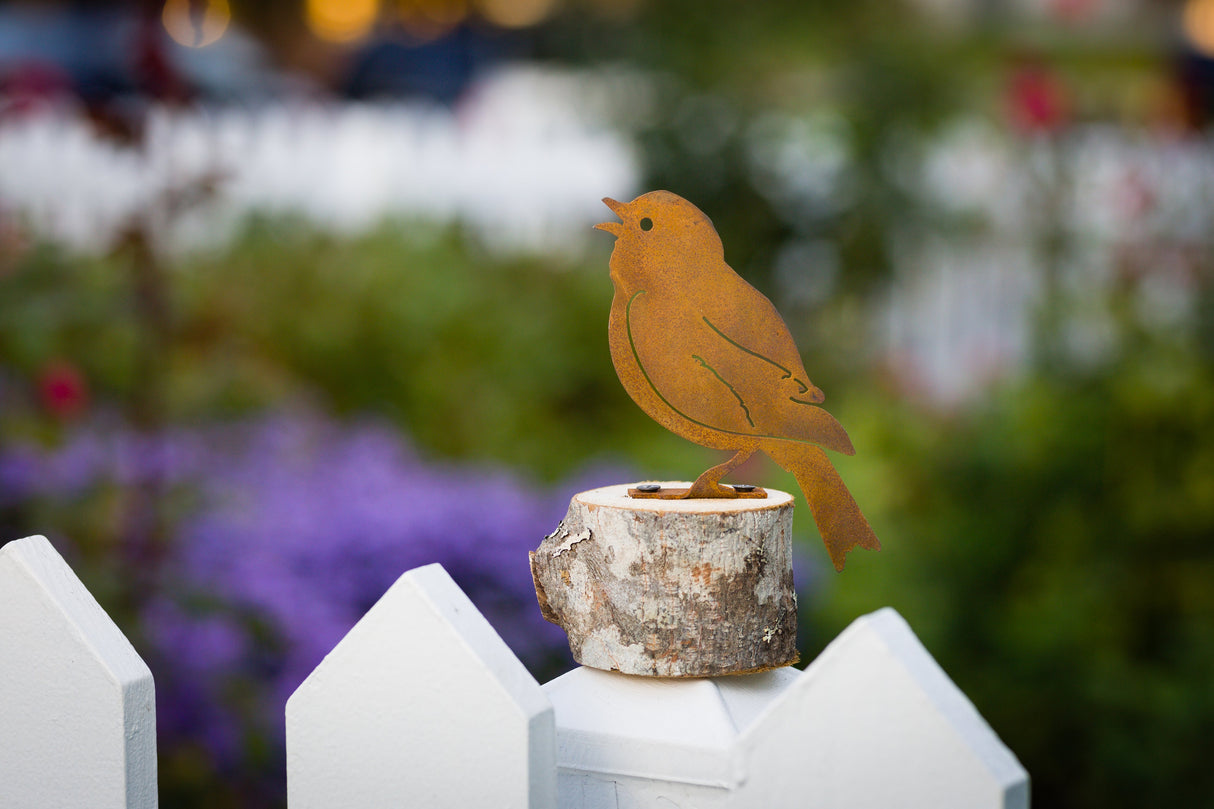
(1051, 545)
(477, 356)
(1053, 549)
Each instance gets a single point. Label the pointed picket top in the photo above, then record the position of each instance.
(875, 722)
(78, 706)
(421, 704)
(659, 729)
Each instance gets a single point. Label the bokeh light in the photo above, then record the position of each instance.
(430, 19)
(1198, 20)
(516, 13)
(1198, 24)
(196, 24)
(341, 20)
(986, 221)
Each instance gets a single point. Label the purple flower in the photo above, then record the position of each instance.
(98, 453)
(295, 525)
(303, 524)
(18, 473)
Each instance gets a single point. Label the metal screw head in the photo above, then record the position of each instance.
(649, 487)
(743, 487)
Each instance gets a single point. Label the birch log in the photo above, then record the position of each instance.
(672, 588)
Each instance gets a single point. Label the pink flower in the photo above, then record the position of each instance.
(1074, 11)
(62, 389)
(1037, 100)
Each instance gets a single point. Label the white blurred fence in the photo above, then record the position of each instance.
(423, 705)
(523, 161)
(1117, 208)
(526, 156)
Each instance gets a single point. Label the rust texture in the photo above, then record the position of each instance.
(707, 356)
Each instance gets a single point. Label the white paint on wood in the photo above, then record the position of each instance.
(77, 703)
(653, 738)
(422, 705)
(873, 722)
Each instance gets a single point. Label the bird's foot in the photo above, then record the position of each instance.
(708, 485)
(710, 489)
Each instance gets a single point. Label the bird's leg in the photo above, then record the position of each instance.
(709, 483)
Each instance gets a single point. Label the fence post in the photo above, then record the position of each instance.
(421, 704)
(77, 703)
(872, 723)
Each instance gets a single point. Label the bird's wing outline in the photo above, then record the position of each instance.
(741, 402)
(753, 413)
(788, 374)
(815, 414)
(636, 355)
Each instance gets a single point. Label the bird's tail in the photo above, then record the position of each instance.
(839, 520)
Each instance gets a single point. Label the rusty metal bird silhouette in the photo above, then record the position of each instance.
(707, 356)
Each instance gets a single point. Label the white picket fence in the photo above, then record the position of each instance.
(522, 163)
(423, 705)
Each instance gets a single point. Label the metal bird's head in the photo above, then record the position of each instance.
(660, 231)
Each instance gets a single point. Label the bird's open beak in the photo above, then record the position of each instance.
(614, 228)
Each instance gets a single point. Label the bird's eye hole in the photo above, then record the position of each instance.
(646, 223)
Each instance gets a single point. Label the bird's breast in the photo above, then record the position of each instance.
(649, 336)
(630, 340)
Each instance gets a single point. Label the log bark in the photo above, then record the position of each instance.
(672, 588)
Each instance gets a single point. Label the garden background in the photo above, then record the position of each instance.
(297, 296)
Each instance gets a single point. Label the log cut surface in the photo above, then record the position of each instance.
(672, 588)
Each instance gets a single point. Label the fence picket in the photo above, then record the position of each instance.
(423, 704)
(77, 703)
